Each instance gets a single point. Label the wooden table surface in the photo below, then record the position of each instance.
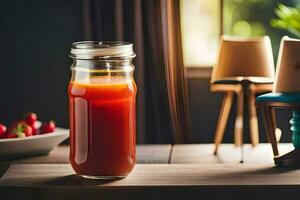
(163, 172)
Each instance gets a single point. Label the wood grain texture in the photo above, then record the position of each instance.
(228, 153)
(150, 181)
(145, 154)
(203, 178)
(151, 154)
(62, 176)
(3, 168)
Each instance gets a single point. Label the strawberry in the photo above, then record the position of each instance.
(23, 127)
(30, 118)
(48, 127)
(20, 129)
(35, 128)
(28, 131)
(10, 135)
(2, 130)
(11, 130)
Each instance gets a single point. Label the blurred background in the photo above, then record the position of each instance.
(36, 37)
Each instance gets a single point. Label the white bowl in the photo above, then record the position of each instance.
(32, 145)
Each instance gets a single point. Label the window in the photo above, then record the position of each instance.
(200, 28)
(201, 25)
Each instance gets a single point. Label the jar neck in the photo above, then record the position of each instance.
(121, 64)
(87, 71)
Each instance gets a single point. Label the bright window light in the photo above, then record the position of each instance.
(200, 29)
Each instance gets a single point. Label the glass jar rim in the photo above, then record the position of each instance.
(103, 50)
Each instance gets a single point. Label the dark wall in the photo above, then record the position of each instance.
(35, 41)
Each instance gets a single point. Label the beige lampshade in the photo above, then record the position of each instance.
(288, 66)
(244, 58)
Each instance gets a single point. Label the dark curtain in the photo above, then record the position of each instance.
(153, 27)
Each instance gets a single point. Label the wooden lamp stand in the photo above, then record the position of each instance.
(266, 104)
(245, 91)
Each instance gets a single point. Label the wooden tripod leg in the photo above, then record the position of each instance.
(238, 129)
(269, 127)
(253, 123)
(223, 118)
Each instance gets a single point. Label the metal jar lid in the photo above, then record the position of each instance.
(102, 50)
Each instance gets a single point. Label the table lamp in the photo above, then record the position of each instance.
(286, 94)
(244, 67)
(243, 58)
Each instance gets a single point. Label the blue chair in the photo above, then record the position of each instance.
(266, 104)
(286, 94)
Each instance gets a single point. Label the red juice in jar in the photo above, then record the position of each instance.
(102, 123)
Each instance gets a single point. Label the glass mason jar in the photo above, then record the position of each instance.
(102, 109)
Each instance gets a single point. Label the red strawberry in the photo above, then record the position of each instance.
(11, 135)
(2, 130)
(30, 118)
(44, 128)
(12, 130)
(48, 127)
(22, 129)
(28, 131)
(35, 128)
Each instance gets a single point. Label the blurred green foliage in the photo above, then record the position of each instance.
(252, 18)
(288, 19)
